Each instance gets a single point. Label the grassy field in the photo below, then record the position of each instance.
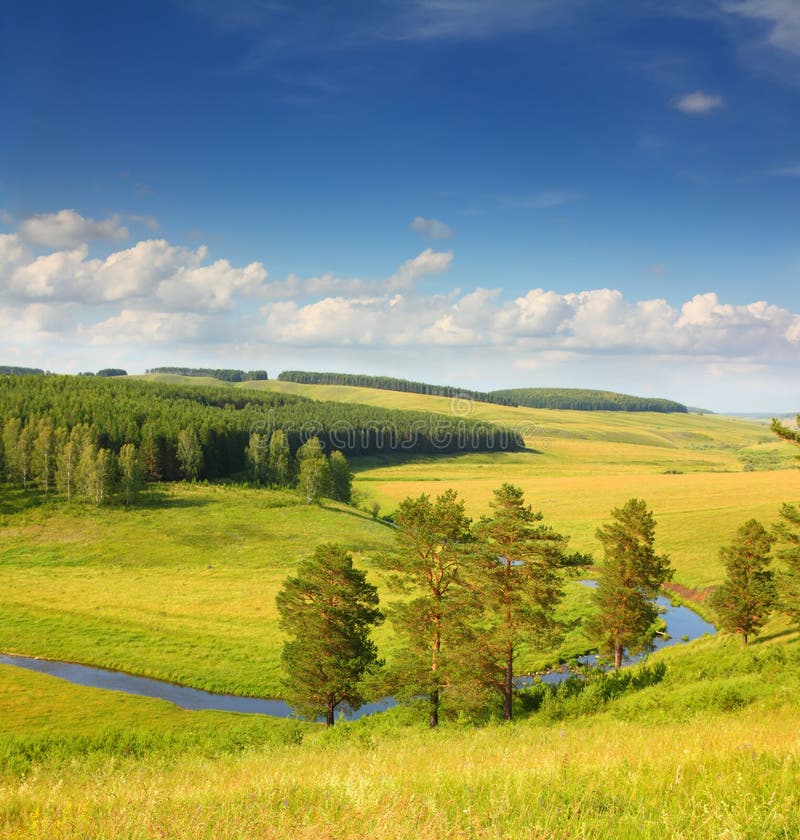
(182, 588)
(711, 751)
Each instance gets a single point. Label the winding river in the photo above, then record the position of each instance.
(682, 625)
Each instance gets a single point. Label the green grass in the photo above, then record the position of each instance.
(183, 587)
(183, 590)
(712, 750)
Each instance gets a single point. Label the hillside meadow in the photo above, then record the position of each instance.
(182, 587)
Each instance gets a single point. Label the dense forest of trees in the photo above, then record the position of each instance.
(153, 416)
(223, 374)
(580, 399)
(389, 383)
(10, 370)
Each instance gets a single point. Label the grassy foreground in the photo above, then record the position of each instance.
(711, 752)
(183, 587)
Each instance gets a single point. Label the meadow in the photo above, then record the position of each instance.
(182, 588)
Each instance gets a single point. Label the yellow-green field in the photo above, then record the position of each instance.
(183, 588)
(625, 772)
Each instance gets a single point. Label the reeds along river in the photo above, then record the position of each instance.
(682, 624)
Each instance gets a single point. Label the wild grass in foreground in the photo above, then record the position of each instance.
(703, 745)
(717, 776)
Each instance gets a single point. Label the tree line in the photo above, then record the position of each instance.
(474, 593)
(391, 383)
(224, 374)
(579, 399)
(152, 416)
(72, 464)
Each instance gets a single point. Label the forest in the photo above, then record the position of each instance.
(153, 416)
(580, 399)
(390, 383)
(223, 374)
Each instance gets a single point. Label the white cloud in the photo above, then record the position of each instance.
(144, 327)
(68, 228)
(432, 228)
(175, 276)
(429, 262)
(582, 323)
(788, 171)
(781, 18)
(698, 103)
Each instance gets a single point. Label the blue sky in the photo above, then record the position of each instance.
(492, 194)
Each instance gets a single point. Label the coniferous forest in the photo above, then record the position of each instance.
(163, 420)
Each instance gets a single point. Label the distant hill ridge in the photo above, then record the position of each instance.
(581, 399)
(576, 399)
(223, 374)
(389, 383)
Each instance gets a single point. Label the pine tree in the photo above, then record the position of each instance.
(787, 535)
(745, 600)
(520, 579)
(434, 621)
(328, 610)
(629, 580)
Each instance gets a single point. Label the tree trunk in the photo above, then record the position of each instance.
(329, 719)
(744, 639)
(434, 718)
(617, 656)
(508, 683)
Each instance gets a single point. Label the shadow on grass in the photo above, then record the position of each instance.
(771, 637)
(358, 514)
(363, 463)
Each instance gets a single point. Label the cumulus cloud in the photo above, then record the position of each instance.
(177, 277)
(698, 103)
(432, 228)
(68, 228)
(144, 327)
(579, 323)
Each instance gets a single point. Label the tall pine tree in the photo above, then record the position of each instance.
(328, 611)
(630, 578)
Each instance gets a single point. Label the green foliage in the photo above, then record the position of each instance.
(112, 372)
(631, 576)
(223, 374)
(328, 610)
(389, 383)
(341, 477)
(784, 432)
(11, 370)
(518, 582)
(190, 455)
(131, 472)
(434, 622)
(588, 694)
(580, 399)
(258, 458)
(280, 459)
(787, 535)
(745, 600)
(151, 415)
